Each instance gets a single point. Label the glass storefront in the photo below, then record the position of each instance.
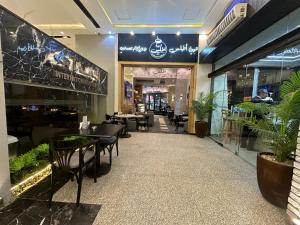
(33, 112)
(249, 82)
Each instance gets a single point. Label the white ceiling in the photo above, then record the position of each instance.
(109, 13)
(162, 12)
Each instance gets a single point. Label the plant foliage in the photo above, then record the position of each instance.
(203, 105)
(28, 161)
(277, 124)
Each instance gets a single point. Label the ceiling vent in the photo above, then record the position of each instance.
(230, 21)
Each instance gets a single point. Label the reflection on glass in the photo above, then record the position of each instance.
(258, 81)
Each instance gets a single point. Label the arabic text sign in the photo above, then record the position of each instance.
(32, 57)
(161, 47)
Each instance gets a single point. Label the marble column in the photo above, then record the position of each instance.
(4, 159)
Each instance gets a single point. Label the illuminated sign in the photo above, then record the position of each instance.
(158, 49)
(133, 49)
(288, 55)
(163, 47)
(184, 48)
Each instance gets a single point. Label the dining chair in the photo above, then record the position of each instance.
(143, 122)
(69, 158)
(108, 143)
(178, 122)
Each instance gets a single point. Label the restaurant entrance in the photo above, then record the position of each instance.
(165, 90)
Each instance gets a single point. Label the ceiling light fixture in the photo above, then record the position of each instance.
(62, 33)
(131, 33)
(178, 33)
(109, 32)
(153, 33)
(78, 26)
(104, 11)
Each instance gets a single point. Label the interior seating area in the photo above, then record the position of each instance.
(150, 112)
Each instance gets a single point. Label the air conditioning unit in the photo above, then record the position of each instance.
(230, 21)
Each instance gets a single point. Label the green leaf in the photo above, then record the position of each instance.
(278, 125)
(203, 105)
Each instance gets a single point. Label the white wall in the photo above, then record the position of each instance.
(4, 160)
(101, 50)
(203, 82)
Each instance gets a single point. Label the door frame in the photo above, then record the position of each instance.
(193, 81)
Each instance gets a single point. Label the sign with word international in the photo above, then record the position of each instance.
(31, 57)
(158, 48)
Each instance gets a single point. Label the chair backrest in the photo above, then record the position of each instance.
(108, 117)
(147, 117)
(61, 150)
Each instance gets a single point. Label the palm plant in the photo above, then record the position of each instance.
(203, 105)
(278, 125)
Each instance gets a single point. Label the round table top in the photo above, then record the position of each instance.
(128, 116)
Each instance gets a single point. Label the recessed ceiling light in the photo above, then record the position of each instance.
(131, 33)
(109, 32)
(153, 33)
(178, 33)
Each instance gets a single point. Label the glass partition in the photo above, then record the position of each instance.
(34, 112)
(256, 81)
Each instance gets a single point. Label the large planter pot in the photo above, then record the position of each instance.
(274, 180)
(201, 128)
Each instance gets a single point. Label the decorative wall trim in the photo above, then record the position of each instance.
(30, 181)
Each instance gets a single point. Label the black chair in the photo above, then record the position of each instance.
(178, 122)
(107, 143)
(108, 117)
(143, 122)
(171, 117)
(69, 158)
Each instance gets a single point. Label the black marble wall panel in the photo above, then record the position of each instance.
(32, 57)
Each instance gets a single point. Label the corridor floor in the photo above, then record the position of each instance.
(176, 179)
(162, 125)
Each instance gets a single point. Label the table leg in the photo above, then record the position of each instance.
(99, 173)
(117, 145)
(126, 134)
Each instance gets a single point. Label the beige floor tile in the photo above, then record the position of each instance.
(176, 179)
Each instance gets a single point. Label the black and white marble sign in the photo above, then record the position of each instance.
(32, 57)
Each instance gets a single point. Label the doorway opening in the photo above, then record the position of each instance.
(163, 92)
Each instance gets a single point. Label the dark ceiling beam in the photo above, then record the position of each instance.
(288, 40)
(270, 13)
(86, 13)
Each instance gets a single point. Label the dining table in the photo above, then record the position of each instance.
(125, 118)
(98, 131)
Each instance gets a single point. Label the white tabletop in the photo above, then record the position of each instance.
(128, 116)
(11, 139)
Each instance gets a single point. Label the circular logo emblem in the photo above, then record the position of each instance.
(158, 49)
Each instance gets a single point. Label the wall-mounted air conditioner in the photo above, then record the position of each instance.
(230, 21)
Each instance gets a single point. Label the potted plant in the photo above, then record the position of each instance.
(278, 125)
(202, 106)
